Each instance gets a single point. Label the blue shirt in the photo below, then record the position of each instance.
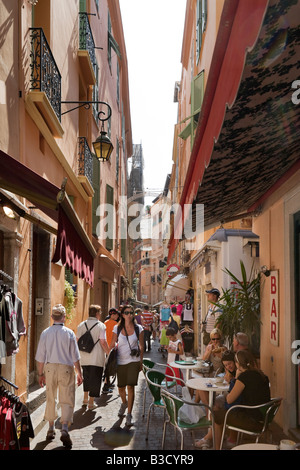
(58, 345)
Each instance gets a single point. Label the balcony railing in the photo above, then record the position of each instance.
(86, 40)
(45, 75)
(85, 159)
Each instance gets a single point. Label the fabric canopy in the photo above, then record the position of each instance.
(71, 251)
(176, 288)
(73, 247)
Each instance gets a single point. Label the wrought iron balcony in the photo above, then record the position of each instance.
(45, 76)
(86, 43)
(85, 159)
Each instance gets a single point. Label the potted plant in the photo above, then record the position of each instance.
(241, 308)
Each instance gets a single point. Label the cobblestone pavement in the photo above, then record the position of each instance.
(101, 429)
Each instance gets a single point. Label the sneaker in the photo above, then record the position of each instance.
(203, 444)
(106, 389)
(122, 409)
(129, 420)
(65, 439)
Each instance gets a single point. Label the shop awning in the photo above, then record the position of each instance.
(176, 288)
(73, 246)
(248, 132)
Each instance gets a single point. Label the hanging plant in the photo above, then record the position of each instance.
(70, 300)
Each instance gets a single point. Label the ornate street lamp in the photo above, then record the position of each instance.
(102, 146)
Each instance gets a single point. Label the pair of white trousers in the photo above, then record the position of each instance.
(60, 378)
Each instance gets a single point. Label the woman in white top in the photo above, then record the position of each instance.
(130, 338)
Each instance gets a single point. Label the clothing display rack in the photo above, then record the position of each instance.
(15, 423)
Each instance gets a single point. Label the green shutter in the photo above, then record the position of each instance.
(197, 93)
(110, 200)
(96, 197)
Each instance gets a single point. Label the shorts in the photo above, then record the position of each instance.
(92, 377)
(128, 374)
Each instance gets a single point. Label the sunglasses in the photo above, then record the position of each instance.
(215, 339)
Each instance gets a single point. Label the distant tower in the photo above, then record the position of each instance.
(136, 178)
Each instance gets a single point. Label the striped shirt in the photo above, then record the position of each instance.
(148, 320)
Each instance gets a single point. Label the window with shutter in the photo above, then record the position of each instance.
(110, 229)
(96, 197)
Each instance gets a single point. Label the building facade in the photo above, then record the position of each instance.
(55, 56)
(243, 165)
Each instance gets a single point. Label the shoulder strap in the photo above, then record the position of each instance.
(91, 327)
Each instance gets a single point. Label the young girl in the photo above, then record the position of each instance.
(175, 350)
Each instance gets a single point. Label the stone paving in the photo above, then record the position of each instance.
(101, 429)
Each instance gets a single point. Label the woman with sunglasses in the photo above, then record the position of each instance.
(213, 354)
(214, 350)
(130, 338)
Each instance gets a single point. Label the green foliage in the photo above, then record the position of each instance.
(69, 300)
(241, 308)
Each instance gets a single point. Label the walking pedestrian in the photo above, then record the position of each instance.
(57, 355)
(110, 322)
(148, 320)
(130, 338)
(93, 362)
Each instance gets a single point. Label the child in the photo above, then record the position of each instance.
(175, 350)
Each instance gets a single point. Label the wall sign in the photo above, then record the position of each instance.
(172, 269)
(274, 308)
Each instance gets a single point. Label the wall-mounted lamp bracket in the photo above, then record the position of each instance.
(87, 105)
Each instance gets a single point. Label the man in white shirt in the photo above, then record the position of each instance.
(93, 363)
(57, 355)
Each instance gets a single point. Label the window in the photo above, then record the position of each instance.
(96, 198)
(110, 228)
(112, 43)
(200, 25)
(197, 94)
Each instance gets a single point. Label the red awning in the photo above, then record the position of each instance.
(73, 246)
(240, 25)
(71, 251)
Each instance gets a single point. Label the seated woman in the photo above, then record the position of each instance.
(228, 361)
(252, 387)
(213, 353)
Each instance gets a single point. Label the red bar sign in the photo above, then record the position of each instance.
(274, 308)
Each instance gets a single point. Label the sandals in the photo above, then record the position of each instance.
(203, 444)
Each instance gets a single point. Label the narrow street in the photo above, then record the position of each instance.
(101, 429)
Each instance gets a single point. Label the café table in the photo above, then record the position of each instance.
(255, 446)
(188, 366)
(207, 384)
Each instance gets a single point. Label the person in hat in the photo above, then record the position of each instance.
(213, 312)
(57, 355)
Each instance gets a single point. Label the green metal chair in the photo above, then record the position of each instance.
(268, 411)
(156, 382)
(148, 365)
(173, 404)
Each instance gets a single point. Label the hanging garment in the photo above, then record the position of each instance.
(15, 326)
(188, 312)
(188, 339)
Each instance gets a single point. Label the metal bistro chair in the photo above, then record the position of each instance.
(148, 365)
(154, 380)
(268, 411)
(173, 404)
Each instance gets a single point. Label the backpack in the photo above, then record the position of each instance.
(173, 324)
(86, 342)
